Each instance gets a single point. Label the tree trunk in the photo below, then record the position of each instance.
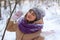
(5, 7)
(9, 5)
(0, 10)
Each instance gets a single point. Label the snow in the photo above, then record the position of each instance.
(52, 23)
(51, 29)
(10, 35)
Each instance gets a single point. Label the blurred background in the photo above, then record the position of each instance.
(51, 29)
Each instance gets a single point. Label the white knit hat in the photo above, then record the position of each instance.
(40, 13)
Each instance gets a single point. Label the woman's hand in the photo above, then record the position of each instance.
(39, 21)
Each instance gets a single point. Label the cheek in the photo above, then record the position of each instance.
(33, 17)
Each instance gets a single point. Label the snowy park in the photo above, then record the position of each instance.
(51, 28)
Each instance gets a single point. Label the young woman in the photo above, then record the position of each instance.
(29, 26)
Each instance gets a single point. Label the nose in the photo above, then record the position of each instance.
(29, 14)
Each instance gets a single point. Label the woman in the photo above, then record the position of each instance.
(29, 26)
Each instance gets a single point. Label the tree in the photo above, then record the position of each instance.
(5, 4)
(0, 10)
(9, 20)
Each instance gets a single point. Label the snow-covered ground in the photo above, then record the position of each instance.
(51, 22)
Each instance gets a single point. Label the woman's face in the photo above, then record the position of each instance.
(30, 16)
